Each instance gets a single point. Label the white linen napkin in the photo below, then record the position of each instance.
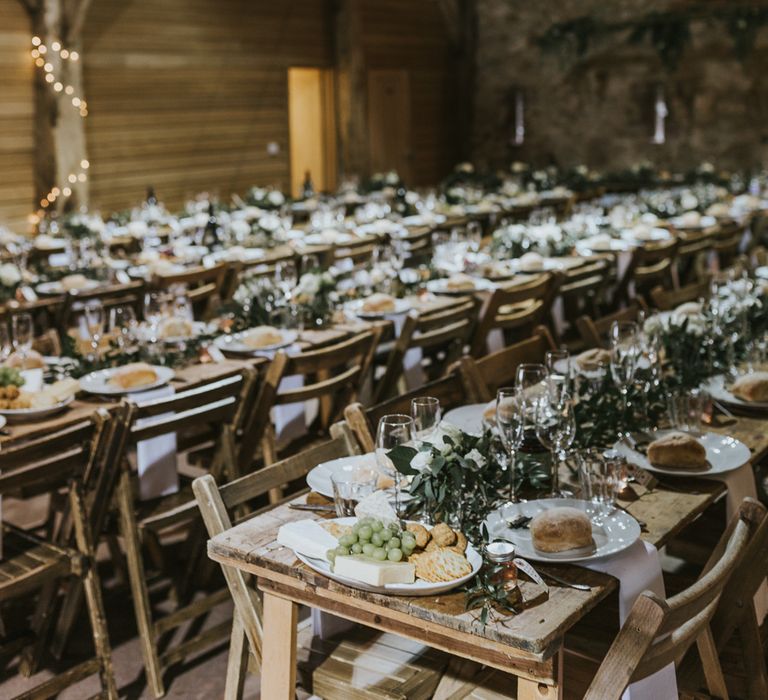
(638, 569)
(156, 457)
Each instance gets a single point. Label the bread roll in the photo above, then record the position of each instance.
(30, 360)
(134, 375)
(591, 360)
(531, 262)
(460, 283)
(72, 283)
(175, 328)
(379, 303)
(677, 451)
(751, 387)
(262, 337)
(561, 529)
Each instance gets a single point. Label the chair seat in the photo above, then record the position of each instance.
(28, 563)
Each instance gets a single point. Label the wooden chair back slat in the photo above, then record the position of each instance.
(669, 299)
(594, 332)
(195, 397)
(221, 411)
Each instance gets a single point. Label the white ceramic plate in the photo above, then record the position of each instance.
(548, 264)
(319, 478)
(762, 272)
(418, 588)
(703, 222)
(98, 382)
(615, 245)
(561, 366)
(724, 454)
(20, 415)
(716, 387)
(440, 286)
(234, 343)
(612, 533)
(468, 418)
(53, 288)
(402, 306)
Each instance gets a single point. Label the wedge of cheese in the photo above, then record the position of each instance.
(306, 537)
(376, 505)
(372, 572)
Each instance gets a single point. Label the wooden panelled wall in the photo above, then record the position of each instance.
(16, 116)
(185, 95)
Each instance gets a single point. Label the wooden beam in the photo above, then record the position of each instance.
(351, 88)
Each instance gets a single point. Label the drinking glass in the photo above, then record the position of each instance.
(599, 478)
(509, 423)
(310, 263)
(154, 310)
(392, 431)
(351, 485)
(559, 377)
(182, 307)
(5, 342)
(556, 430)
(286, 277)
(474, 236)
(122, 325)
(22, 333)
(94, 321)
(426, 414)
(624, 352)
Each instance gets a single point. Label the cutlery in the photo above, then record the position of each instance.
(519, 523)
(315, 507)
(722, 409)
(567, 584)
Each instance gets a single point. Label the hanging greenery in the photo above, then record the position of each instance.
(669, 33)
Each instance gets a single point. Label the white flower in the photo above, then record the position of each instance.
(10, 275)
(258, 193)
(475, 455)
(392, 178)
(240, 228)
(276, 198)
(422, 460)
(309, 284)
(519, 167)
(137, 229)
(270, 222)
(582, 169)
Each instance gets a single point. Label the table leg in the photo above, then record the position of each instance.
(278, 665)
(534, 690)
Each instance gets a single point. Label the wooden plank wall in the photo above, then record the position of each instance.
(16, 117)
(411, 35)
(185, 95)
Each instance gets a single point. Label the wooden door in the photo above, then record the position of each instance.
(312, 128)
(389, 121)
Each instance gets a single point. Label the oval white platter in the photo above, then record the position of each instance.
(612, 533)
(98, 382)
(724, 454)
(418, 588)
(402, 306)
(19, 415)
(234, 343)
(716, 387)
(319, 478)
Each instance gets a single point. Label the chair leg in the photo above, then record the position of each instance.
(70, 610)
(754, 661)
(237, 661)
(42, 621)
(95, 604)
(139, 591)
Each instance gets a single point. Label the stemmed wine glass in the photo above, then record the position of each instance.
(624, 353)
(94, 321)
(392, 431)
(509, 423)
(426, 414)
(22, 334)
(5, 342)
(559, 377)
(286, 277)
(556, 430)
(154, 310)
(122, 325)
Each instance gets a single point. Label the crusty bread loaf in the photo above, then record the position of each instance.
(677, 451)
(460, 283)
(29, 360)
(262, 337)
(531, 262)
(751, 387)
(133, 376)
(73, 283)
(176, 328)
(561, 529)
(593, 359)
(379, 303)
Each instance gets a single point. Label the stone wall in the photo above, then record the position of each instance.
(598, 108)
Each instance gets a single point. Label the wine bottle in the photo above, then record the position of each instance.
(307, 188)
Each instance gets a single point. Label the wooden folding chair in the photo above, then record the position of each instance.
(516, 310)
(204, 286)
(332, 375)
(217, 505)
(481, 378)
(582, 291)
(64, 460)
(658, 632)
(727, 244)
(594, 332)
(212, 406)
(440, 336)
(693, 255)
(449, 390)
(668, 299)
(651, 265)
(130, 294)
(45, 312)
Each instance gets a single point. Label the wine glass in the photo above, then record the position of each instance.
(531, 386)
(509, 423)
(286, 276)
(94, 321)
(559, 377)
(22, 330)
(122, 325)
(182, 307)
(556, 430)
(310, 263)
(154, 310)
(5, 342)
(392, 431)
(474, 236)
(624, 353)
(425, 411)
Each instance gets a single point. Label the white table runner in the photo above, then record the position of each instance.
(156, 457)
